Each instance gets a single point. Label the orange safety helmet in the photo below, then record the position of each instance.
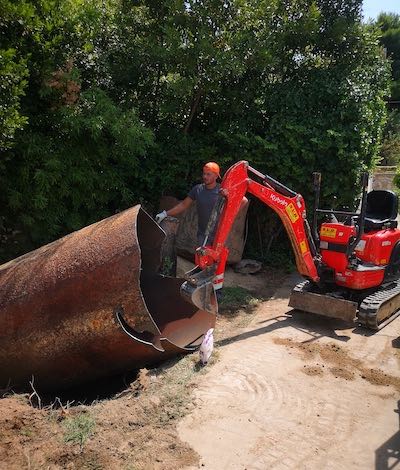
(213, 167)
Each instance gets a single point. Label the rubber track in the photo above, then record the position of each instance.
(373, 306)
(370, 307)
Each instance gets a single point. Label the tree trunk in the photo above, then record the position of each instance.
(193, 110)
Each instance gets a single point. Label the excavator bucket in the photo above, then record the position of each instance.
(202, 297)
(307, 298)
(199, 291)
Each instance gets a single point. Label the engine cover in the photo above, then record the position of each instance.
(373, 252)
(376, 247)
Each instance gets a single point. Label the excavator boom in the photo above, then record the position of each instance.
(239, 180)
(348, 276)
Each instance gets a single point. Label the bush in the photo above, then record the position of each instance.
(125, 102)
(83, 168)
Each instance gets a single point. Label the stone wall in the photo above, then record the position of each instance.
(382, 178)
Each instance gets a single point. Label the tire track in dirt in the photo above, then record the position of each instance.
(309, 404)
(330, 421)
(274, 412)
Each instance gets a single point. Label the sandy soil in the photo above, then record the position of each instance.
(131, 430)
(294, 390)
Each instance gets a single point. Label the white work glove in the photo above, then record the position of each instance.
(161, 216)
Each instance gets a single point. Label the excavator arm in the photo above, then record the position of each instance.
(240, 179)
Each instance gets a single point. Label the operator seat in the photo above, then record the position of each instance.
(382, 207)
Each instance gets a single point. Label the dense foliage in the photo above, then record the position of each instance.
(110, 103)
(389, 25)
(390, 149)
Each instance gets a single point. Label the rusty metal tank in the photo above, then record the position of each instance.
(93, 304)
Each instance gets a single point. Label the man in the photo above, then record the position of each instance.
(205, 195)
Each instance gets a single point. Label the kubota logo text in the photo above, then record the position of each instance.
(278, 200)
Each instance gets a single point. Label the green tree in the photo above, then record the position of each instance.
(390, 150)
(12, 78)
(13, 69)
(125, 101)
(84, 167)
(389, 25)
(76, 160)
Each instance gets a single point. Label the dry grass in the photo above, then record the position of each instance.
(133, 429)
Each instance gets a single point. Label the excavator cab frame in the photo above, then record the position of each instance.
(358, 217)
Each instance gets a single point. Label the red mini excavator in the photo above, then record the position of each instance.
(351, 268)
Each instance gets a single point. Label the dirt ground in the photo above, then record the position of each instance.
(284, 390)
(292, 390)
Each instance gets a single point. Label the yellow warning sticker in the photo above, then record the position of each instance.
(328, 232)
(292, 213)
(303, 247)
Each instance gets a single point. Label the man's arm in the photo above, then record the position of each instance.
(181, 207)
(176, 210)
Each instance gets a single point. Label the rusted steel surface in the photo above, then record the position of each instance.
(93, 304)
